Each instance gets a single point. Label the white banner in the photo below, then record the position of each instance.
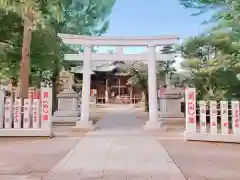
(190, 94)
(46, 108)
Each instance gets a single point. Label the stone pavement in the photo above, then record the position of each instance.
(117, 150)
(32, 158)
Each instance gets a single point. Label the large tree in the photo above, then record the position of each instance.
(88, 17)
(139, 72)
(212, 66)
(213, 58)
(31, 16)
(46, 19)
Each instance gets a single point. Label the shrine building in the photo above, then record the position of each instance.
(111, 81)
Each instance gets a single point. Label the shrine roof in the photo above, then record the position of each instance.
(101, 67)
(105, 68)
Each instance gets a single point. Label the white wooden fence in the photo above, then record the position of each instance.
(34, 118)
(211, 120)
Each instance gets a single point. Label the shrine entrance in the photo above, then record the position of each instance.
(119, 95)
(150, 56)
(115, 89)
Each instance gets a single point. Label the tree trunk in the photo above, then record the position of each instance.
(54, 93)
(55, 88)
(25, 61)
(146, 100)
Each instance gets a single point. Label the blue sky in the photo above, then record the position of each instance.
(154, 17)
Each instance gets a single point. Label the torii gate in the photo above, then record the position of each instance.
(87, 56)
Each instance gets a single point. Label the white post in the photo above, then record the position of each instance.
(131, 94)
(85, 106)
(8, 113)
(202, 109)
(2, 95)
(152, 84)
(85, 111)
(153, 122)
(213, 117)
(224, 117)
(235, 118)
(17, 113)
(36, 113)
(106, 92)
(26, 113)
(167, 80)
(106, 96)
(119, 87)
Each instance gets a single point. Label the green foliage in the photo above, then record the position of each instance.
(49, 18)
(42, 20)
(139, 73)
(213, 59)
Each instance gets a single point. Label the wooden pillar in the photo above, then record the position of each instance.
(106, 92)
(119, 86)
(131, 93)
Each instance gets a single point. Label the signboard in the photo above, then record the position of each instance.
(190, 94)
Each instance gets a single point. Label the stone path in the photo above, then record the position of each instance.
(118, 150)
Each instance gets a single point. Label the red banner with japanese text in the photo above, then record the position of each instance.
(190, 98)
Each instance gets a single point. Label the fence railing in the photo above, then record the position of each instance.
(32, 117)
(211, 120)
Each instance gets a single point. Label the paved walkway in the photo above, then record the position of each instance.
(118, 150)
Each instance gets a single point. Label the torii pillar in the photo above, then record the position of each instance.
(153, 122)
(85, 123)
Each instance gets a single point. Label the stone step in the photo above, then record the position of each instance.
(63, 124)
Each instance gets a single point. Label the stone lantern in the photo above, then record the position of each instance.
(68, 104)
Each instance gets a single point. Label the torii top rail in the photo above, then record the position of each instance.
(118, 41)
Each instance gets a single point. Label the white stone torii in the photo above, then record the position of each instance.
(87, 56)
